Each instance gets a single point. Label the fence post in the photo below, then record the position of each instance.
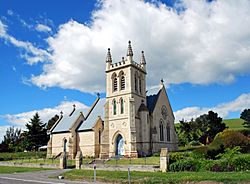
(129, 177)
(94, 173)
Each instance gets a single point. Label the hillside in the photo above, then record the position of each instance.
(235, 124)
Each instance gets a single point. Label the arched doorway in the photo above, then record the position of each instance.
(119, 145)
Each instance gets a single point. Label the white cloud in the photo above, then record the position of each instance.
(2, 132)
(32, 53)
(223, 110)
(206, 43)
(19, 120)
(43, 28)
(45, 114)
(2, 29)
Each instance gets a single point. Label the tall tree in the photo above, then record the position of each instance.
(36, 134)
(245, 115)
(209, 124)
(12, 139)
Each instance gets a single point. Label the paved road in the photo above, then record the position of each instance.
(35, 177)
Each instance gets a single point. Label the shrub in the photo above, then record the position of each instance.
(185, 165)
(195, 143)
(176, 156)
(208, 152)
(230, 139)
(241, 162)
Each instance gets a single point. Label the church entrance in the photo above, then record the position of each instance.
(119, 146)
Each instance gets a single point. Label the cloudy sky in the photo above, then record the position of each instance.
(52, 54)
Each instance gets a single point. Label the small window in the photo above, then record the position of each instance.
(115, 84)
(122, 106)
(168, 133)
(161, 131)
(122, 82)
(114, 107)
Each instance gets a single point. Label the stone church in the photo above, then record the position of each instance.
(126, 123)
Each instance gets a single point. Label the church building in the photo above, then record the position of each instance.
(125, 123)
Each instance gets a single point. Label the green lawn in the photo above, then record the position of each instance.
(158, 177)
(47, 161)
(9, 170)
(135, 161)
(235, 124)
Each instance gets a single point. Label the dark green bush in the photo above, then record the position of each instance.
(208, 152)
(241, 162)
(236, 163)
(185, 165)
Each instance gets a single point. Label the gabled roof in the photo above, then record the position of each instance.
(151, 101)
(96, 111)
(67, 121)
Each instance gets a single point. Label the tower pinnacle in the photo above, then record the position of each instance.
(143, 60)
(109, 58)
(130, 51)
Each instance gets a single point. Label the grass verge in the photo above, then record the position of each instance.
(135, 161)
(158, 177)
(10, 170)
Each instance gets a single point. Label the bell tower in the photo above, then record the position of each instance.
(125, 91)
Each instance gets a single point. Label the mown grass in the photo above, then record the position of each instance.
(158, 177)
(135, 161)
(22, 155)
(47, 161)
(10, 169)
(234, 124)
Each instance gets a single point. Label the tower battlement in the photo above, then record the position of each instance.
(125, 62)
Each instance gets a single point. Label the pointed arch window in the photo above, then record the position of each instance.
(140, 88)
(122, 106)
(99, 137)
(168, 133)
(114, 107)
(136, 83)
(115, 84)
(122, 82)
(161, 131)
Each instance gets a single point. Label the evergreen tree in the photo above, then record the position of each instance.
(209, 124)
(36, 134)
(245, 115)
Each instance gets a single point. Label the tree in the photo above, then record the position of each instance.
(36, 134)
(188, 132)
(11, 140)
(203, 129)
(245, 115)
(52, 121)
(209, 124)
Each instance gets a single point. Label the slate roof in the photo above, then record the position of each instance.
(97, 111)
(151, 101)
(67, 121)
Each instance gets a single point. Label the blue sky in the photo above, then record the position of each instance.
(52, 54)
